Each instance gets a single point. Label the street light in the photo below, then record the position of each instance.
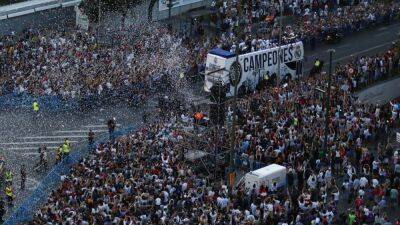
(235, 75)
(169, 5)
(98, 19)
(279, 42)
(328, 100)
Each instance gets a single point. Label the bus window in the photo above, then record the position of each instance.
(292, 65)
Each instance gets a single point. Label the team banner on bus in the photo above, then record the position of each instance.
(263, 59)
(163, 4)
(252, 66)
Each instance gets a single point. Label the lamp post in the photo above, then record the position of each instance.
(328, 100)
(279, 42)
(98, 19)
(235, 75)
(169, 5)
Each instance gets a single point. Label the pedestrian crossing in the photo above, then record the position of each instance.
(80, 131)
(56, 137)
(29, 145)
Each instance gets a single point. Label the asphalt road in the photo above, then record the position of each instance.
(381, 93)
(367, 42)
(22, 133)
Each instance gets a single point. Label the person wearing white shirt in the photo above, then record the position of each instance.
(312, 181)
(363, 182)
(361, 193)
(375, 183)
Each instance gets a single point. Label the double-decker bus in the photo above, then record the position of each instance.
(253, 66)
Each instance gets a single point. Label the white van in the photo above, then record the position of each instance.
(266, 176)
(253, 65)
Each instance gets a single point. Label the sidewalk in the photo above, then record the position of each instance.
(381, 92)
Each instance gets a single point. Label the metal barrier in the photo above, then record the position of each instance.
(28, 208)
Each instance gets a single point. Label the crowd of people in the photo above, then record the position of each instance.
(72, 64)
(144, 177)
(315, 21)
(363, 70)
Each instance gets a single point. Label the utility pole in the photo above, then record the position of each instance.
(98, 20)
(279, 42)
(169, 5)
(235, 76)
(328, 100)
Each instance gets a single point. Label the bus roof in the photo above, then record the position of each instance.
(222, 53)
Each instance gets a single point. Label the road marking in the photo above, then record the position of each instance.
(363, 51)
(34, 142)
(33, 153)
(343, 46)
(99, 126)
(79, 131)
(382, 33)
(355, 54)
(30, 183)
(55, 137)
(28, 148)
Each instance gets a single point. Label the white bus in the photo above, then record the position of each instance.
(253, 65)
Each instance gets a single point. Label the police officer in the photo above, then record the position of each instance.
(91, 137)
(59, 154)
(9, 177)
(66, 141)
(23, 176)
(317, 65)
(111, 127)
(9, 195)
(66, 148)
(36, 107)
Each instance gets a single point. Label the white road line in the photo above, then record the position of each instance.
(79, 131)
(55, 137)
(34, 142)
(31, 153)
(382, 33)
(356, 53)
(28, 148)
(102, 125)
(343, 46)
(363, 51)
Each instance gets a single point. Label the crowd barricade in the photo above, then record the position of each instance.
(50, 183)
